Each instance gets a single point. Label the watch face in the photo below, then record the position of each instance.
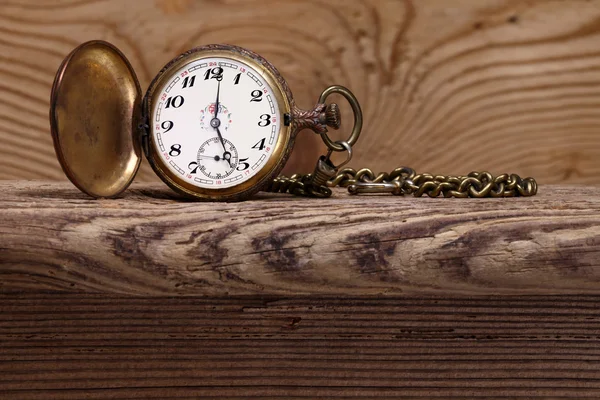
(215, 122)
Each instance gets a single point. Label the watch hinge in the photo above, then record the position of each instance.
(144, 130)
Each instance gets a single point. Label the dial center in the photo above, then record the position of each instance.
(213, 117)
(215, 122)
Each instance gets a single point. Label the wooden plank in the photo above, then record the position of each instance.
(111, 347)
(446, 86)
(54, 238)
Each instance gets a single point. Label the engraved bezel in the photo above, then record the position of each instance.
(281, 150)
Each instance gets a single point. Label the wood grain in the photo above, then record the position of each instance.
(55, 239)
(107, 347)
(446, 86)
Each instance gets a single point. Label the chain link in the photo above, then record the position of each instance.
(405, 181)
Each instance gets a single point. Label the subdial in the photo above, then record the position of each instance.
(208, 114)
(216, 162)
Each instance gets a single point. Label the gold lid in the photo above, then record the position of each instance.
(94, 115)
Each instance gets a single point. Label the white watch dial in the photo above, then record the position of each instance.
(215, 122)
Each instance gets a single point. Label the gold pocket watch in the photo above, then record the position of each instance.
(218, 122)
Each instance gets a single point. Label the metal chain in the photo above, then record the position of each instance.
(405, 181)
(401, 181)
(298, 185)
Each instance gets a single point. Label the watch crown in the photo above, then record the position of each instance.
(332, 117)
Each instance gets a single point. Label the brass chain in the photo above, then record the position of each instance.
(405, 181)
(298, 185)
(401, 181)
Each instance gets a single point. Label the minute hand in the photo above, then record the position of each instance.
(216, 121)
(217, 101)
(220, 137)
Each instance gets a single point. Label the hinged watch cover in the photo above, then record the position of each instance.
(94, 116)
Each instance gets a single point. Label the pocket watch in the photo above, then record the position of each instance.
(218, 122)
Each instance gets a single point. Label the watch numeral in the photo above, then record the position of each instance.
(244, 163)
(175, 150)
(236, 80)
(176, 101)
(256, 95)
(214, 73)
(259, 145)
(189, 81)
(265, 120)
(167, 126)
(193, 166)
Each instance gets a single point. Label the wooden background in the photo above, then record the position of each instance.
(447, 86)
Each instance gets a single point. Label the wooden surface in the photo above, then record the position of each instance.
(84, 347)
(54, 238)
(446, 86)
(153, 297)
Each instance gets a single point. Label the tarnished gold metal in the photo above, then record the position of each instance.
(358, 119)
(325, 170)
(401, 181)
(405, 181)
(97, 124)
(332, 116)
(94, 113)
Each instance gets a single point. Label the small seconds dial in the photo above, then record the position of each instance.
(216, 122)
(215, 163)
